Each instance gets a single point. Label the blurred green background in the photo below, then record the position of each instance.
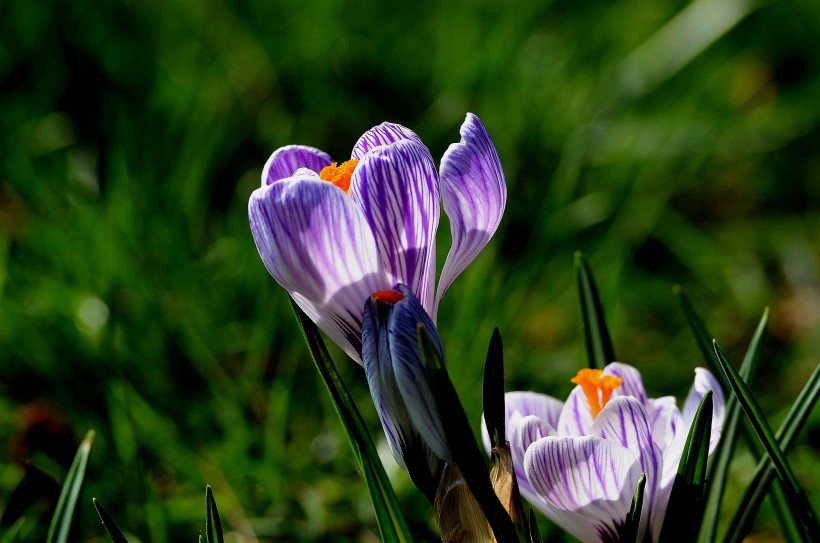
(673, 142)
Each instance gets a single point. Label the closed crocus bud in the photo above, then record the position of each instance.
(398, 384)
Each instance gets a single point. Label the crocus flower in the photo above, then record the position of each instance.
(579, 461)
(332, 235)
(395, 375)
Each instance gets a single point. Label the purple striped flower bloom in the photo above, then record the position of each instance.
(333, 235)
(579, 461)
(399, 387)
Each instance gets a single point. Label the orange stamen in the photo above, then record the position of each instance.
(389, 296)
(597, 387)
(339, 175)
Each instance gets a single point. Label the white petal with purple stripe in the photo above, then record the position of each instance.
(285, 161)
(588, 480)
(396, 187)
(474, 194)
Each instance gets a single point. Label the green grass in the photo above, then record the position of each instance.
(133, 302)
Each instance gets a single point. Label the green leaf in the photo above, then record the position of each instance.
(794, 493)
(111, 527)
(459, 436)
(494, 412)
(687, 500)
(629, 531)
(764, 473)
(535, 534)
(14, 529)
(392, 526)
(596, 336)
(213, 525)
(702, 337)
(723, 456)
(70, 493)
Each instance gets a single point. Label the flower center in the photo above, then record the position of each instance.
(389, 296)
(339, 175)
(597, 387)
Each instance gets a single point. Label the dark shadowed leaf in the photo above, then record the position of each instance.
(392, 525)
(213, 525)
(494, 414)
(111, 527)
(600, 351)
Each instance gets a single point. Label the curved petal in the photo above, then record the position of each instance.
(411, 379)
(523, 432)
(406, 443)
(383, 134)
(397, 189)
(624, 421)
(316, 243)
(284, 162)
(705, 381)
(520, 404)
(585, 484)
(576, 417)
(664, 420)
(474, 194)
(632, 383)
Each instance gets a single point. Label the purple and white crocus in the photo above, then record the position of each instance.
(579, 461)
(333, 235)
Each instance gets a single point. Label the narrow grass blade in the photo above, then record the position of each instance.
(600, 351)
(494, 413)
(392, 526)
(687, 500)
(764, 473)
(111, 527)
(11, 535)
(462, 443)
(629, 531)
(794, 493)
(723, 457)
(702, 337)
(535, 534)
(70, 493)
(213, 525)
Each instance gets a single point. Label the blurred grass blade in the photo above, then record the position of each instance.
(702, 337)
(687, 500)
(629, 531)
(14, 529)
(794, 493)
(494, 412)
(722, 459)
(392, 526)
(462, 442)
(213, 525)
(111, 527)
(764, 473)
(600, 351)
(70, 493)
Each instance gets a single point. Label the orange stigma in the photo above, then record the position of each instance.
(339, 175)
(597, 387)
(389, 296)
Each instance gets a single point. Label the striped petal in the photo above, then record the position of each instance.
(396, 186)
(383, 134)
(576, 417)
(631, 381)
(624, 421)
(523, 432)
(521, 404)
(474, 194)
(317, 244)
(584, 484)
(285, 161)
(406, 443)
